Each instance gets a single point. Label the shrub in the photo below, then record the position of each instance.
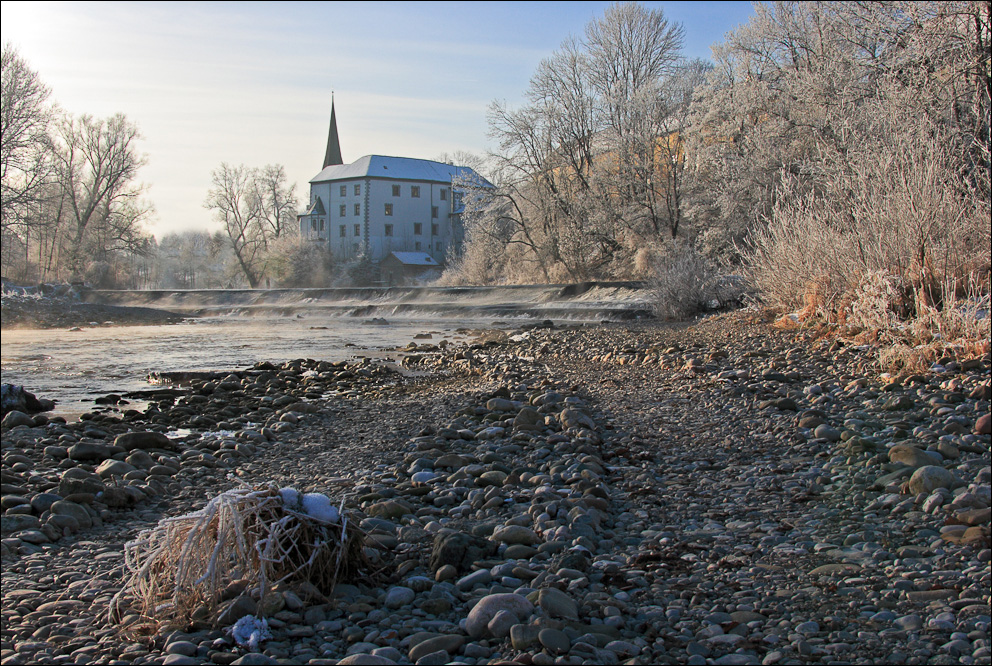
(684, 283)
(890, 235)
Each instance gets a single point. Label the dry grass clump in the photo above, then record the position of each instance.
(248, 540)
(891, 241)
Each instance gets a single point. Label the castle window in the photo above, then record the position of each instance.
(358, 230)
(358, 209)
(396, 190)
(418, 229)
(344, 190)
(388, 230)
(435, 229)
(341, 231)
(343, 210)
(320, 224)
(444, 194)
(389, 209)
(415, 191)
(358, 189)
(434, 212)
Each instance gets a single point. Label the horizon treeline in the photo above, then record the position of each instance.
(73, 208)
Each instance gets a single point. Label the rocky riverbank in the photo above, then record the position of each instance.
(721, 493)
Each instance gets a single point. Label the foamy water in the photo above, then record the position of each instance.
(74, 367)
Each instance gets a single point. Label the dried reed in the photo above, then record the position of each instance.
(244, 537)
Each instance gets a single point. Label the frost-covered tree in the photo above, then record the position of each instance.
(256, 208)
(848, 144)
(25, 144)
(581, 170)
(806, 83)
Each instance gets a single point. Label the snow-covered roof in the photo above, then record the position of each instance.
(415, 258)
(394, 168)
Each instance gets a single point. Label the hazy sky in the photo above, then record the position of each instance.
(251, 82)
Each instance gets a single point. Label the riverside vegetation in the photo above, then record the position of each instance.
(722, 493)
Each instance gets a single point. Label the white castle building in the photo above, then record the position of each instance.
(377, 206)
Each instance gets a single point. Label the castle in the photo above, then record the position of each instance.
(379, 206)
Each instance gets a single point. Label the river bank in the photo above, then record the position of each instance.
(717, 493)
(60, 307)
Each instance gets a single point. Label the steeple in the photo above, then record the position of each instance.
(333, 154)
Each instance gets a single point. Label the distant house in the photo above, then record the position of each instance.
(378, 206)
(404, 267)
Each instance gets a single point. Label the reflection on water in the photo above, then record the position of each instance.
(74, 367)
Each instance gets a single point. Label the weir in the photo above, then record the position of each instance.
(578, 301)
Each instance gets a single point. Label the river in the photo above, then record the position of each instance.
(74, 367)
(233, 329)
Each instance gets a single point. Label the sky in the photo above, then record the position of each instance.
(251, 83)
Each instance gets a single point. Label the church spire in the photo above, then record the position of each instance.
(333, 154)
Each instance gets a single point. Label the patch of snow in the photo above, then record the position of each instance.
(319, 507)
(290, 498)
(249, 632)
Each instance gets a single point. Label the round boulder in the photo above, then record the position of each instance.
(477, 623)
(927, 479)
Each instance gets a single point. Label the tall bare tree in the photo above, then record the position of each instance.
(25, 144)
(96, 164)
(278, 201)
(257, 208)
(236, 203)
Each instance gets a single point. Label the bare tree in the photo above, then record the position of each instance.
(629, 49)
(474, 161)
(25, 144)
(236, 203)
(96, 164)
(277, 201)
(257, 209)
(581, 178)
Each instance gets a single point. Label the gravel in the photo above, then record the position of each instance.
(717, 493)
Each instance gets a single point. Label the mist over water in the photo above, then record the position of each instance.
(235, 329)
(74, 367)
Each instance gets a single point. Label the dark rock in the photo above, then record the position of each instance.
(42, 502)
(460, 550)
(898, 403)
(130, 441)
(236, 610)
(16, 418)
(89, 451)
(77, 511)
(16, 398)
(76, 485)
(116, 497)
(11, 523)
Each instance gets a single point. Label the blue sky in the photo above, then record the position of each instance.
(251, 82)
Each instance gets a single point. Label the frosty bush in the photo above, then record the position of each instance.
(685, 282)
